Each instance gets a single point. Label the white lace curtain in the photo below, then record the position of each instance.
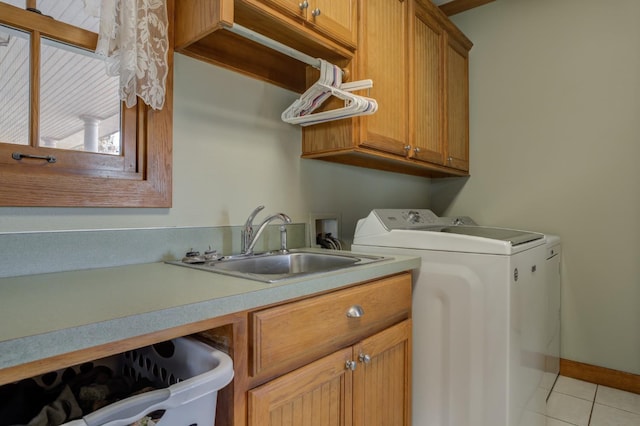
(133, 38)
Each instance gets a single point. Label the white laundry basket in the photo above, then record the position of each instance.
(193, 373)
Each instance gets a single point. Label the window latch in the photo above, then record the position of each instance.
(19, 156)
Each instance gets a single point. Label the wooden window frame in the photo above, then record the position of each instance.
(141, 177)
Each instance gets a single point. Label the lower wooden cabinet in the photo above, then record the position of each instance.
(365, 384)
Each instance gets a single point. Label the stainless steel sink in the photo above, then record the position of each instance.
(272, 267)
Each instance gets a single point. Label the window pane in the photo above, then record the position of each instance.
(79, 103)
(14, 86)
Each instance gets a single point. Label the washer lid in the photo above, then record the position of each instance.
(514, 236)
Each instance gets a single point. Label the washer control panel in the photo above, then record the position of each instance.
(417, 219)
(406, 219)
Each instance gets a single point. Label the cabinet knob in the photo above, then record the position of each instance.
(355, 311)
(304, 5)
(449, 159)
(407, 148)
(416, 149)
(365, 358)
(315, 12)
(350, 365)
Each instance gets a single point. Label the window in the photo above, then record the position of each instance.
(65, 138)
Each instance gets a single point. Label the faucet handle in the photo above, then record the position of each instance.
(252, 216)
(247, 231)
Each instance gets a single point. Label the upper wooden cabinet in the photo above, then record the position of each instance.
(383, 58)
(320, 28)
(419, 67)
(418, 61)
(440, 91)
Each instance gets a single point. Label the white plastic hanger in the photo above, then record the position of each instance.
(354, 105)
(315, 95)
(329, 84)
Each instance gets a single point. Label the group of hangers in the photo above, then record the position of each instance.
(330, 84)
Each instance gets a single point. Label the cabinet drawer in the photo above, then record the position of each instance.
(287, 336)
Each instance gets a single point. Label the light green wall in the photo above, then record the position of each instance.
(231, 153)
(555, 147)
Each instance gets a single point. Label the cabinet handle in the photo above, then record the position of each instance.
(416, 149)
(304, 5)
(449, 159)
(407, 148)
(315, 12)
(355, 311)
(365, 358)
(350, 365)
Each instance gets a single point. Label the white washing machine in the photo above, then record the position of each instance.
(481, 341)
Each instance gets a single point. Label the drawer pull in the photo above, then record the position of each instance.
(355, 311)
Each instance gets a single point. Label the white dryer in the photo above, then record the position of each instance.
(479, 305)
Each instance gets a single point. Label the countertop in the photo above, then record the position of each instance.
(51, 314)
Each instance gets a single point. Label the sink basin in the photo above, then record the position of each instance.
(272, 267)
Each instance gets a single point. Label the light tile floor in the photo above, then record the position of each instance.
(578, 403)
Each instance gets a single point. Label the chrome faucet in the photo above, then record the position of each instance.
(249, 238)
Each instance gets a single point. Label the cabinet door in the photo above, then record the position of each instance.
(318, 394)
(428, 87)
(382, 53)
(382, 379)
(336, 19)
(457, 105)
